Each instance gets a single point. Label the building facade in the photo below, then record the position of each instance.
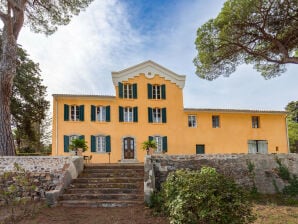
(149, 106)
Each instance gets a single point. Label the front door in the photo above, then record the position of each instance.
(129, 148)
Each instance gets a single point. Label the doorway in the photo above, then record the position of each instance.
(129, 148)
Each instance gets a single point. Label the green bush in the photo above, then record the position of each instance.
(205, 197)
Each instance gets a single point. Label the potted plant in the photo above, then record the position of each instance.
(147, 145)
(78, 146)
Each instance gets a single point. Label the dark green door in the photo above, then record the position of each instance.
(200, 149)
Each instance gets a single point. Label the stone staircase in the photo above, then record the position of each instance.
(112, 185)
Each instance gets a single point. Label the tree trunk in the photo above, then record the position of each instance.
(7, 73)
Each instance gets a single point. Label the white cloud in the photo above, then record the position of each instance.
(79, 57)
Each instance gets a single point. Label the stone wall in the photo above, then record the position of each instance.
(51, 174)
(266, 178)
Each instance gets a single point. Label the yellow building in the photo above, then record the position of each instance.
(149, 105)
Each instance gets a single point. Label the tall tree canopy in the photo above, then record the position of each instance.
(43, 16)
(259, 32)
(292, 118)
(28, 102)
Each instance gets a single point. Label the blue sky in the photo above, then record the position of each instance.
(116, 34)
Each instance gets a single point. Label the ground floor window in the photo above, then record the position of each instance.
(258, 146)
(100, 143)
(161, 143)
(200, 149)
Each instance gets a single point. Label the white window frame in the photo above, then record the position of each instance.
(156, 115)
(258, 146)
(74, 112)
(192, 121)
(158, 140)
(72, 137)
(156, 91)
(127, 91)
(128, 114)
(101, 113)
(101, 143)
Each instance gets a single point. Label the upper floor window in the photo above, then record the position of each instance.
(192, 121)
(215, 121)
(156, 91)
(255, 121)
(157, 115)
(100, 143)
(161, 143)
(68, 140)
(127, 90)
(128, 114)
(100, 113)
(73, 112)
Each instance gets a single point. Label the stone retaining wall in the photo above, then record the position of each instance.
(266, 178)
(51, 174)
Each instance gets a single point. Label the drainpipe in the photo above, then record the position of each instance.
(287, 134)
(56, 127)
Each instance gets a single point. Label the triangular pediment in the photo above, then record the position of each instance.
(149, 69)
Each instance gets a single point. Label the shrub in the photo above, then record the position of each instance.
(205, 197)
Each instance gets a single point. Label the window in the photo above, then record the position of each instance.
(157, 115)
(100, 143)
(156, 91)
(100, 113)
(128, 114)
(258, 146)
(255, 120)
(68, 139)
(127, 90)
(73, 112)
(161, 143)
(200, 149)
(215, 121)
(192, 121)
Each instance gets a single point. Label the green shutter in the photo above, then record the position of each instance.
(150, 138)
(121, 119)
(66, 143)
(93, 143)
(108, 143)
(164, 115)
(108, 113)
(120, 89)
(164, 144)
(150, 118)
(200, 149)
(66, 112)
(93, 111)
(135, 114)
(82, 137)
(149, 88)
(135, 91)
(163, 91)
(81, 115)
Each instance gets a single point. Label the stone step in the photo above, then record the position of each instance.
(119, 171)
(118, 197)
(107, 185)
(103, 191)
(110, 180)
(114, 167)
(111, 174)
(98, 203)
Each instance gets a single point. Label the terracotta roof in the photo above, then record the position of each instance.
(234, 111)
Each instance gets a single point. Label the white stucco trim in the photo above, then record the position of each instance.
(150, 69)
